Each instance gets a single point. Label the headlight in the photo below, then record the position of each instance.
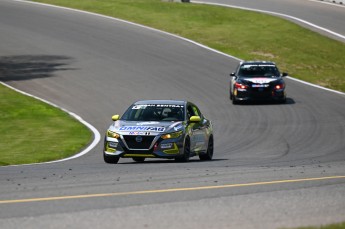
(172, 135)
(112, 134)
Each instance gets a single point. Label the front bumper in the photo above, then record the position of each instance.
(256, 95)
(159, 148)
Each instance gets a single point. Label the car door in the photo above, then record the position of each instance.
(198, 130)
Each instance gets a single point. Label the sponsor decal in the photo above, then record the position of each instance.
(144, 106)
(142, 128)
(166, 146)
(260, 80)
(170, 105)
(146, 123)
(113, 144)
(139, 133)
(256, 65)
(260, 85)
(177, 128)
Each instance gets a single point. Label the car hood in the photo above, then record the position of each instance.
(145, 128)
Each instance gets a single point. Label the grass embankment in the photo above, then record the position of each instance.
(248, 35)
(331, 226)
(32, 131)
(35, 132)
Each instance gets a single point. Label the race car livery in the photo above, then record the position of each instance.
(159, 129)
(257, 80)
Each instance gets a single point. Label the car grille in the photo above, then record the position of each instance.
(133, 143)
(261, 92)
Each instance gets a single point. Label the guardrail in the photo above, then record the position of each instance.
(334, 1)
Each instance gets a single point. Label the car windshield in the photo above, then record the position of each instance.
(154, 112)
(258, 71)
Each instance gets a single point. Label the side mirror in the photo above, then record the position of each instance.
(285, 74)
(115, 117)
(195, 119)
(233, 76)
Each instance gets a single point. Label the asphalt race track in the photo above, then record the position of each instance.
(274, 165)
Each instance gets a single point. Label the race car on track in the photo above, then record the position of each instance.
(159, 129)
(257, 80)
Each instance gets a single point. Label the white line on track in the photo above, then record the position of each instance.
(94, 130)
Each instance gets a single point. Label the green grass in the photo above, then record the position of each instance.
(32, 131)
(331, 226)
(248, 35)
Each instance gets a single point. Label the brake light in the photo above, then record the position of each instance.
(241, 86)
(279, 86)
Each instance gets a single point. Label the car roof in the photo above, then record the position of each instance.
(173, 102)
(258, 62)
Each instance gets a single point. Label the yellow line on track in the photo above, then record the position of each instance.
(167, 190)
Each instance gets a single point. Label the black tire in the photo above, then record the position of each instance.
(138, 159)
(186, 152)
(110, 159)
(231, 96)
(209, 153)
(234, 101)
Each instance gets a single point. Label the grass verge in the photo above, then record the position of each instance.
(248, 35)
(34, 132)
(331, 226)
